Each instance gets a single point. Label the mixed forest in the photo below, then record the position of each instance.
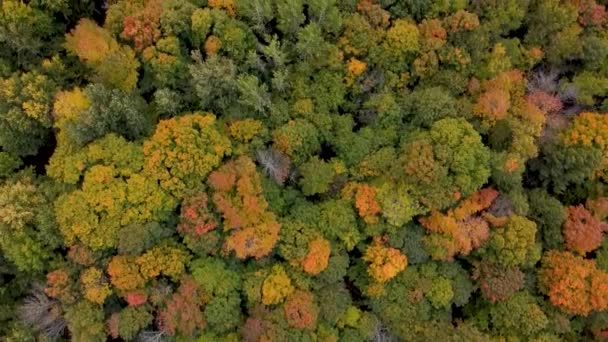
(303, 170)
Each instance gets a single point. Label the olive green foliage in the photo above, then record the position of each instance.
(303, 170)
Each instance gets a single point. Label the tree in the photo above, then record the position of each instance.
(385, 262)
(300, 310)
(431, 104)
(513, 243)
(196, 221)
(317, 259)
(338, 220)
(214, 82)
(549, 215)
(98, 49)
(183, 314)
(143, 27)
(237, 195)
(276, 286)
(111, 196)
(275, 164)
(85, 321)
(367, 204)
(317, 176)
(163, 259)
(572, 283)
(497, 283)
(94, 286)
(583, 232)
(440, 167)
(520, 314)
(397, 204)
(90, 114)
(44, 314)
(588, 131)
(124, 273)
(401, 43)
(28, 231)
(128, 322)
(298, 139)
(25, 112)
(27, 33)
(183, 151)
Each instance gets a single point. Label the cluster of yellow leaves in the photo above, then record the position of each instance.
(129, 272)
(183, 150)
(95, 213)
(162, 259)
(317, 258)
(124, 273)
(276, 287)
(31, 93)
(68, 104)
(95, 287)
(385, 262)
(590, 130)
(245, 130)
(354, 69)
(238, 197)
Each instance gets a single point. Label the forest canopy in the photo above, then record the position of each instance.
(303, 170)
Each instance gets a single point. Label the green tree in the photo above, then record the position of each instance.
(317, 176)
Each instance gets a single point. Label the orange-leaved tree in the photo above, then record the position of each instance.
(572, 283)
(237, 195)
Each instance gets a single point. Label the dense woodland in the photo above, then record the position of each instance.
(303, 170)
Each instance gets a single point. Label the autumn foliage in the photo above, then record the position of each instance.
(572, 283)
(237, 196)
(583, 232)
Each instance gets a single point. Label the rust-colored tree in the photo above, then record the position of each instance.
(237, 195)
(572, 283)
(184, 312)
(300, 310)
(583, 232)
(497, 283)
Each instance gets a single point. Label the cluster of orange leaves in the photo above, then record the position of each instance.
(572, 283)
(385, 262)
(458, 231)
(238, 197)
(59, 285)
(317, 258)
(228, 5)
(583, 231)
(143, 27)
(498, 96)
(367, 204)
